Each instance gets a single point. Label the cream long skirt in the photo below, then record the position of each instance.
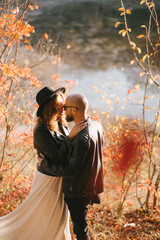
(43, 215)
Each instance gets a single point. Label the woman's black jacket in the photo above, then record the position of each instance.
(52, 145)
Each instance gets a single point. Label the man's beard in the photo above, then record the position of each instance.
(69, 118)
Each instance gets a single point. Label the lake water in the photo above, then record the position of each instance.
(94, 54)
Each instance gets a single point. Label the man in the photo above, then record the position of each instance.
(83, 170)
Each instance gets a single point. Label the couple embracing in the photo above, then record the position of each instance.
(69, 176)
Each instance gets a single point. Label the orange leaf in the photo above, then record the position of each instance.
(158, 209)
(36, 105)
(57, 57)
(46, 36)
(27, 35)
(10, 16)
(54, 62)
(2, 22)
(28, 47)
(55, 76)
(6, 15)
(148, 180)
(129, 91)
(10, 44)
(31, 7)
(36, 7)
(26, 40)
(120, 9)
(140, 36)
(116, 226)
(128, 11)
(38, 85)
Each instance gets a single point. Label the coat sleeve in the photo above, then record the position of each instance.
(47, 145)
(76, 161)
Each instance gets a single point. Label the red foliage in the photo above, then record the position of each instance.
(14, 189)
(127, 150)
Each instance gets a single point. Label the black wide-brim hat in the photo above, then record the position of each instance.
(44, 95)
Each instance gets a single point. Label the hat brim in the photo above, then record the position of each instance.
(39, 110)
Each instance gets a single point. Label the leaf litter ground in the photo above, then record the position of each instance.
(137, 225)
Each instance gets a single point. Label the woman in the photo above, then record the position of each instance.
(43, 215)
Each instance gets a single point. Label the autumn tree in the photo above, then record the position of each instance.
(134, 148)
(18, 86)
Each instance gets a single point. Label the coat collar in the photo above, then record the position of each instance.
(63, 129)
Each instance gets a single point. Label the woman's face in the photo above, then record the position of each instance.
(59, 104)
